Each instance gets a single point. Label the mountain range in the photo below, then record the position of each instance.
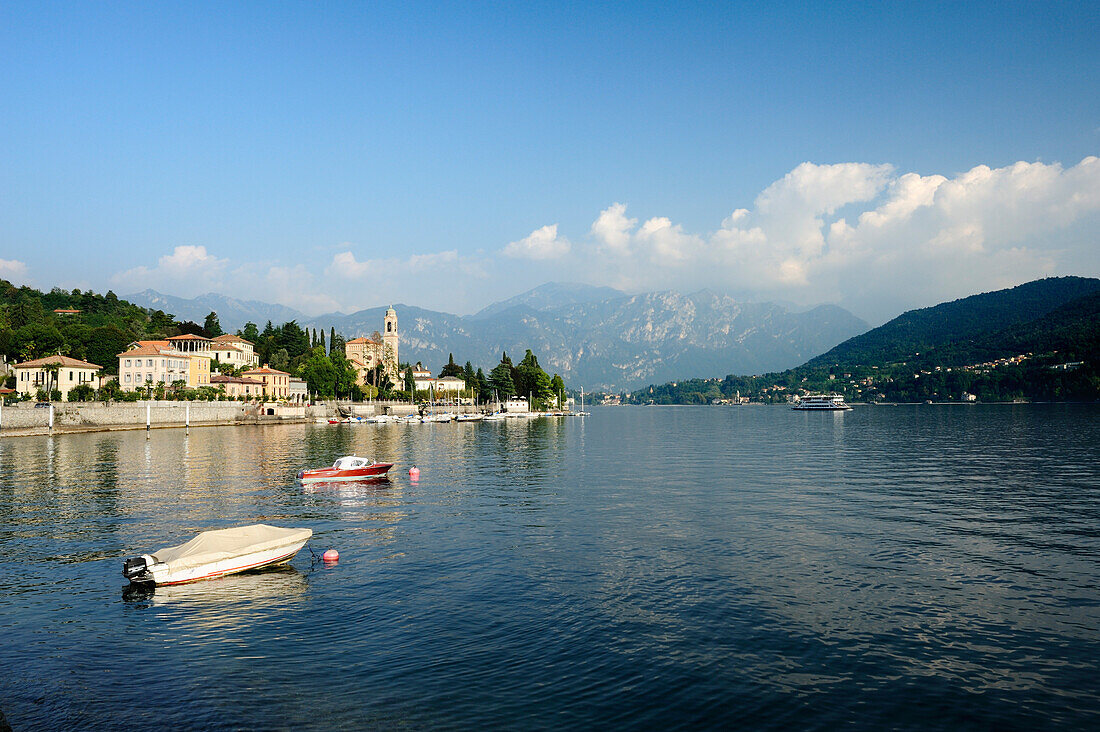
(595, 337)
(232, 312)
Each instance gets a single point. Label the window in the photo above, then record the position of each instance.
(127, 362)
(162, 363)
(127, 379)
(149, 362)
(137, 377)
(70, 376)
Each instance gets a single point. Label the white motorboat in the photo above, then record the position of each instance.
(217, 553)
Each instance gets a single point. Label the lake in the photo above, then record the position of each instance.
(910, 567)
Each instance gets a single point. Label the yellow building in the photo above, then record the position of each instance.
(238, 386)
(199, 356)
(276, 383)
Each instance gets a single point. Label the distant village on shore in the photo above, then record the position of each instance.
(227, 367)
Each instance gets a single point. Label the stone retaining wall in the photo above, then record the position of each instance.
(119, 414)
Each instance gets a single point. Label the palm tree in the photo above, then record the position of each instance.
(51, 370)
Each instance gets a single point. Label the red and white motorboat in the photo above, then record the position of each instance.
(349, 467)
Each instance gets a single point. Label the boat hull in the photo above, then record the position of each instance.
(335, 475)
(217, 553)
(247, 563)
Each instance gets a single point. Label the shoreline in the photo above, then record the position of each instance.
(81, 429)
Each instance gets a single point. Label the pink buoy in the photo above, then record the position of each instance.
(330, 555)
(414, 473)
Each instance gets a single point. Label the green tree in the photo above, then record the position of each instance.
(500, 380)
(336, 342)
(557, 386)
(319, 373)
(211, 327)
(530, 378)
(484, 391)
(451, 369)
(81, 393)
(110, 390)
(250, 332)
(279, 359)
(321, 340)
(410, 382)
(105, 344)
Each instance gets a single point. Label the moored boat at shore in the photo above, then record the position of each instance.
(350, 467)
(217, 553)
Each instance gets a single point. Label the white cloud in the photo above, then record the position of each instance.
(345, 266)
(541, 243)
(869, 238)
(612, 228)
(13, 269)
(439, 280)
(188, 270)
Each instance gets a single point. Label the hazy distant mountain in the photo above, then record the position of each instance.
(232, 313)
(551, 295)
(616, 342)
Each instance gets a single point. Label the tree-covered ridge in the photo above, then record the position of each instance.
(1048, 350)
(29, 327)
(957, 323)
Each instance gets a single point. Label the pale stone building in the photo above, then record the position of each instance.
(30, 376)
(297, 390)
(146, 363)
(234, 350)
(439, 386)
(367, 353)
(182, 358)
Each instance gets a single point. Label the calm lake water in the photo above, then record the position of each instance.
(890, 567)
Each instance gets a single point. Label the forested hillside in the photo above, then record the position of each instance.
(970, 320)
(1040, 340)
(29, 327)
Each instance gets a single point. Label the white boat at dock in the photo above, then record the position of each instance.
(217, 553)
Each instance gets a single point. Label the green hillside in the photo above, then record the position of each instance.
(1040, 340)
(971, 320)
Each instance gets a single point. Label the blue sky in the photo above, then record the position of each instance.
(343, 155)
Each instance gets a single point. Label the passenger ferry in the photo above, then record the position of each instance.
(830, 402)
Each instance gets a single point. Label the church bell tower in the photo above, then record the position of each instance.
(389, 344)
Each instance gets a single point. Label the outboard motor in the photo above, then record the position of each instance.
(136, 569)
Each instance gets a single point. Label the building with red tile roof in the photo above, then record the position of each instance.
(55, 372)
(276, 383)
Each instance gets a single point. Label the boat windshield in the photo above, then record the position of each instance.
(350, 462)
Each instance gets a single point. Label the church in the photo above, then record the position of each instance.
(381, 348)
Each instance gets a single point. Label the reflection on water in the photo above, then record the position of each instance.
(226, 598)
(898, 566)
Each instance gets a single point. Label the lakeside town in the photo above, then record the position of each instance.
(227, 367)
